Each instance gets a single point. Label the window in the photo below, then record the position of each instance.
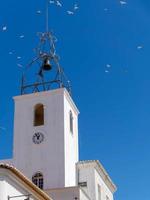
(82, 184)
(37, 179)
(39, 115)
(99, 192)
(71, 122)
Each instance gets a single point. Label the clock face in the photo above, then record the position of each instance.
(38, 138)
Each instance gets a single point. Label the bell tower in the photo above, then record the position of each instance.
(46, 137)
(46, 121)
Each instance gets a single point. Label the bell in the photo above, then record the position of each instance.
(46, 65)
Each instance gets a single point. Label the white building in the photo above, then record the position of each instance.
(46, 148)
(14, 185)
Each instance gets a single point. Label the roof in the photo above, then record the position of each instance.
(102, 172)
(27, 182)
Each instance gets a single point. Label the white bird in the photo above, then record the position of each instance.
(106, 71)
(70, 12)
(76, 7)
(58, 3)
(10, 53)
(18, 57)
(4, 28)
(108, 65)
(123, 2)
(19, 65)
(51, 1)
(139, 47)
(38, 12)
(21, 36)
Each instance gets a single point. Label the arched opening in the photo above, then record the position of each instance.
(71, 122)
(38, 180)
(39, 115)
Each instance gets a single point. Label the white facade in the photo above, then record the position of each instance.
(57, 155)
(10, 188)
(68, 193)
(14, 186)
(97, 183)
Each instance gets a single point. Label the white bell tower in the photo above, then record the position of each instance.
(46, 137)
(46, 121)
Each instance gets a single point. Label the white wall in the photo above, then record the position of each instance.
(10, 187)
(13, 189)
(83, 195)
(90, 175)
(69, 193)
(71, 142)
(104, 189)
(64, 194)
(87, 175)
(3, 189)
(53, 157)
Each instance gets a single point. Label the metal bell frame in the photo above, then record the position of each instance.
(46, 54)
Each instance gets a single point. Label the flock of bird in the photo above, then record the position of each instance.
(71, 11)
(57, 3)
(139, 47)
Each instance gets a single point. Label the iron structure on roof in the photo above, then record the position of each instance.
(47, 71)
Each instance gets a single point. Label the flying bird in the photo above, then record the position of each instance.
(18, 57)
(106, 71)
(70, 12)
(51, 1)
(19, 65)
(4, 28)
(76, 7)
(123, 2)
(108, 65)
(38, 12)
(58, 3)
(139, 47)
(21, 36)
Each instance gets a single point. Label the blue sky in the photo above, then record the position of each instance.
(114, 123)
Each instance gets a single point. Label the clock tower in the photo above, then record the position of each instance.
(46, 122)
(46, 137)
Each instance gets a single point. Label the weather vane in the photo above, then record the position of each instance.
(47, 63)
